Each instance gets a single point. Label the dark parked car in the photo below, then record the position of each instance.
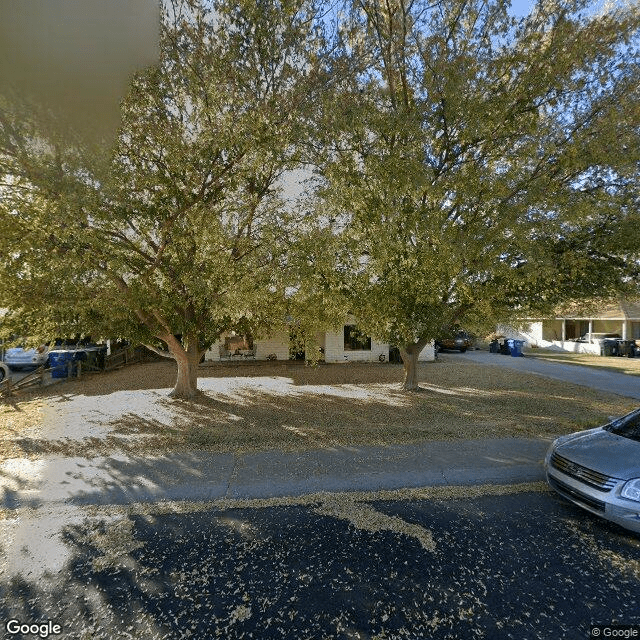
(455, 341)
(599, 470)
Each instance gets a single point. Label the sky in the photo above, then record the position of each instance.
(521, 7)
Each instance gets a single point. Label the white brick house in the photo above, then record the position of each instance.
(346, 345)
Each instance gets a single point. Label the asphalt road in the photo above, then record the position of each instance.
(522, 565)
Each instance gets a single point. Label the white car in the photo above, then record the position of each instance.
(20, 358)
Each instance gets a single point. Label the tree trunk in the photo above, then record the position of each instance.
(410, 353)
(187, 358)
(186, 386)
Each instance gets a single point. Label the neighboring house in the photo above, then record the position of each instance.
(581, 330)
(348, 345)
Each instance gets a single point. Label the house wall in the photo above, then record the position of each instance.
(548, 334)
(608, 326)
(428, 354)
(551, 330)
(277, 343)
(334, 350)
(333, 347)
(532, 334)
(567, 334)
(213, 353)
(331, 341)
(543, 333)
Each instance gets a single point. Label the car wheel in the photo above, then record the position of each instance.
(463, 349)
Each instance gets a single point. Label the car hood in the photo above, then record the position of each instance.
(602, 451)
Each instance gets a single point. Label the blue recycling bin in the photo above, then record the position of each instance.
(60, 358)
(59, 362)
(516, 348)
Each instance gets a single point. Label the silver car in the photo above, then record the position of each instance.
(20, 358)
(599, 470)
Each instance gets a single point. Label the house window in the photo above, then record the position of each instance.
(235, 343)
(576, 329)
(354, 340)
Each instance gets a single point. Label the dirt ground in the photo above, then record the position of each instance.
(289, 406)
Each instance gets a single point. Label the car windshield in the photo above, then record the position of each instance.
(628, 426)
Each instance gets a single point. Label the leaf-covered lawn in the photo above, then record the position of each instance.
(288, 406)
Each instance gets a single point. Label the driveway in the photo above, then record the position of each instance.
(609, 381)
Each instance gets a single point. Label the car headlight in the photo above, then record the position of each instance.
(631, 490)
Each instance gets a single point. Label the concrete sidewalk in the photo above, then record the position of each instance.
(599, 379)
(209, 476)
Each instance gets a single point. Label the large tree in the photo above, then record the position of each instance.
(481, 166)
(177, 231)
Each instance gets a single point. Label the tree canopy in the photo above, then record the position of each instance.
(472, 166)
(484, 166)
(176, 232)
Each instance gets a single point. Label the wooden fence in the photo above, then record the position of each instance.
(75, 368)
(35, 378)
(123, 357)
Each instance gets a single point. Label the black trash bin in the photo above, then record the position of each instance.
(494, 346)
(626, 348)
(609, 347)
